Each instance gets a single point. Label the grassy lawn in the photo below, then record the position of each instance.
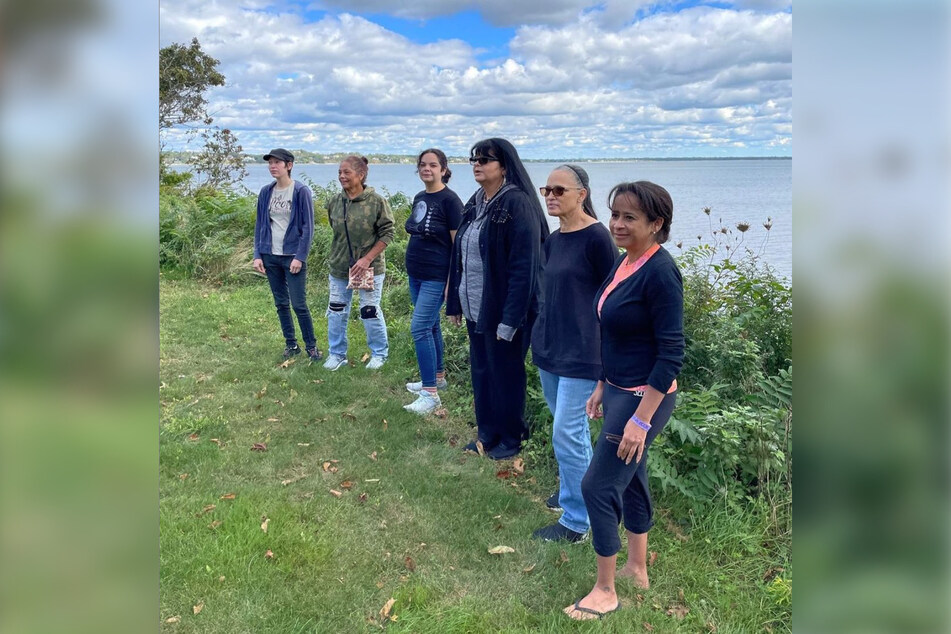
(413, 518)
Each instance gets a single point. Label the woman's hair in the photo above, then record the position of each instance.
(360, 165)
(515, 172)
(443, 162)
(581, 178)
(653, 200)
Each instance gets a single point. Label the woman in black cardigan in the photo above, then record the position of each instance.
(640, 308)
(494, 282)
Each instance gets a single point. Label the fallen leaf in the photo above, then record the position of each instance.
(648, 627)
(678, 611)
(261, 393)
(385, 610)
(268, 554)
(221, 578)
(501, 550)
(563, 558)
(640, 598)
(292, 393)
(287, 363)
(292, 480)
(173, 619)
(303, 444)
(373, 456)
(346, 484)
(503, 474)
(529, 569)
(772, 572)
(365, 357)
(348, 415)
(711, 627)
(183, 476)
(193, 437)
(227, 496)
(198, 608)
(267, 520)
(680, 595)
(273, 420)
(329, 466)
(384, 424)
(454, 441)
(363, 497)
(216, 441)
(335, 493)
(379, 584)
(653, 558)
(210, 507)
(214, 524)
(409, 563)
(279, 402)
(480, 448)
(317, 381)
(259, 446)
(440, 412)
(519, 465)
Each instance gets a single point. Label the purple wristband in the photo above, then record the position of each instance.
(637, 421)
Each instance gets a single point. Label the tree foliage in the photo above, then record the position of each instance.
(220, 162)
(185, 73)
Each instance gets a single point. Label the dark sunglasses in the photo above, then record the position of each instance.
(481, 160)
(557, 190)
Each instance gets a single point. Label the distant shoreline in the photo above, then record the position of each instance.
(178, 158)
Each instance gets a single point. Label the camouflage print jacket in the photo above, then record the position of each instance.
(365, 220)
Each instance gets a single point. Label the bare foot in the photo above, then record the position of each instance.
(600, 599)
(637, 575)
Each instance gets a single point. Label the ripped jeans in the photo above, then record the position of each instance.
(338, 315)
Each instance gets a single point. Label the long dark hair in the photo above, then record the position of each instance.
(443, 162)
(515, 172)
(581, 178)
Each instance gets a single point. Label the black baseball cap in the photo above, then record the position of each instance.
(280, 154)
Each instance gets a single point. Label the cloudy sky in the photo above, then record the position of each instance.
(559, 78)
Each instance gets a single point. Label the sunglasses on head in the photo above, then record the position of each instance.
(557, 190)
(481, 160)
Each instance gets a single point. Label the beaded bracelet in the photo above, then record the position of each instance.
(637, 421)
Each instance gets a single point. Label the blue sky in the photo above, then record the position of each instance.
(567, 78)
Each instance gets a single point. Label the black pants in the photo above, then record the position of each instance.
(498, 385)
(613, 490)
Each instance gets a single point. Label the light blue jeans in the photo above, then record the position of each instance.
(571, 438)
(427, 298)
(338, 315)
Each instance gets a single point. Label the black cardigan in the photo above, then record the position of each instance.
(510, 245)
(642, 325)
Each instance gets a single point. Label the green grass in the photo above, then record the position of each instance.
(429, 515)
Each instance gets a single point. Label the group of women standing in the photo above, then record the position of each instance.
(606, 332)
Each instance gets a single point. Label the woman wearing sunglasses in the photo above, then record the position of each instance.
(494, 282)
(640, 307)
(566, 343)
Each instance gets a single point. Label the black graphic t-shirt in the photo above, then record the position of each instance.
(432, 218)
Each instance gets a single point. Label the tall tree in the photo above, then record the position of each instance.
(185, 73)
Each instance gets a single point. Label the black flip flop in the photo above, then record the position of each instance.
(600, 615)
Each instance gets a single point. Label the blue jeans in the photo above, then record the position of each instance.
(571, 438)
(427, 298)
(289, 289)
(338, 314)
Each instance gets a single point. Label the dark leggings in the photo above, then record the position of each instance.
(613, 490)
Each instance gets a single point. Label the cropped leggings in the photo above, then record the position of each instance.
(614, 491)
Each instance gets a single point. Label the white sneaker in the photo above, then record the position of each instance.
(417, 386)
(334, 362)
(375, 363)
(425, 403)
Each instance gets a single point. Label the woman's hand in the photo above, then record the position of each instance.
(632, 443)
(455, 320)
(258, 265)
(296, 266)
(360, 266)
(593, 406)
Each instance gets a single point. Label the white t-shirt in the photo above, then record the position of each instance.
(279, 209)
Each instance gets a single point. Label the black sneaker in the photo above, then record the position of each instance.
(503, 451)
(314, 354)
(559, 533)
(290, 351)
(553, 502)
